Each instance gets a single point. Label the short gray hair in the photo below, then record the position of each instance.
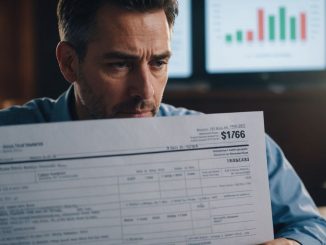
(77, 18)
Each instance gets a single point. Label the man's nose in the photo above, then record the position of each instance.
(142, 83)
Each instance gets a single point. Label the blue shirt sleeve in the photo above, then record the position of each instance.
(42, 110)
(295, 215)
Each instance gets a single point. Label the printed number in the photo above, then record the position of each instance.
(235, 134)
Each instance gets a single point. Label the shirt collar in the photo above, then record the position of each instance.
(62, 108)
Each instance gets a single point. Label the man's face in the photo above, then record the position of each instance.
(124, 72)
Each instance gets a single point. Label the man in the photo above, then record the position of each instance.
(115, 53)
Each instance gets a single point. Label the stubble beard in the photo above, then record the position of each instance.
(94, 106)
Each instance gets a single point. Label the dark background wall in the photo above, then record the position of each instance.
(295, 117)
(49, 81)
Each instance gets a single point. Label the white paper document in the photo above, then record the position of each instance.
(173, 180)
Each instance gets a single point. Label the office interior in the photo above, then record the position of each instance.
(295, 112)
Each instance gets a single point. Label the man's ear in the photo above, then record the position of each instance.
(68, 61)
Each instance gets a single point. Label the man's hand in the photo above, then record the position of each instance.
(281, 241)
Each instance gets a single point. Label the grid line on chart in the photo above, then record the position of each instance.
(127, 201)
(121, 155)
(122, 184)
(120, 210)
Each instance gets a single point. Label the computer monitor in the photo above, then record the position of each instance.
(180, 65)
(261, 43)
(264, 36)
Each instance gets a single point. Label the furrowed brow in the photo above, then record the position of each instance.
(165, 55)
(127, 56)
(119, 55)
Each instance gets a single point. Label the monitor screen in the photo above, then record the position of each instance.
(264, 36)
(180, 65)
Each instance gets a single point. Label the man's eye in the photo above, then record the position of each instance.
(159, 63)
(119, 65)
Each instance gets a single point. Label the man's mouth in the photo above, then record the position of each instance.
(135, 108)
(134, 114)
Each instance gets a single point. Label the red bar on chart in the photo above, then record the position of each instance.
(303, 21)
(250, 36)
(261, 25)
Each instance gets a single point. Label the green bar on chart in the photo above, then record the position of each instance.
(293, 28)
(271, 22)
(228, 38)
(282, 23)
(239, 36)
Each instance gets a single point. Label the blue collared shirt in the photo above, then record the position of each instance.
(295, 215)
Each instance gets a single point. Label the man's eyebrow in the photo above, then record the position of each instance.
(119, 55)
(165, 55)
(128, 56)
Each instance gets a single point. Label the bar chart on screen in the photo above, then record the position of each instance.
(270, 34)
(265, 35)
